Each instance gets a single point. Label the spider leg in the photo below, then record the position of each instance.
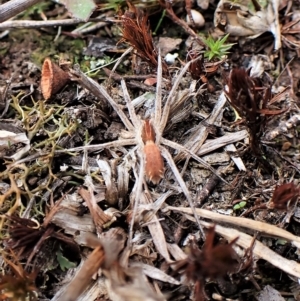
(97, 147)
(99, 91)
(177, 146)
(136, 194)
(170, 99)
(180, 181)
(133, 117)
(157, 116)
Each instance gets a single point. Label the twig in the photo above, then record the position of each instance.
(14, 7)
(207, 189)
(182, 23)
(48, 23)
(263, 228)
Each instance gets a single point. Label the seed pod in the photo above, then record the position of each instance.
(53, 78)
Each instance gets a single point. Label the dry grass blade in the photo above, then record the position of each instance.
(129, 284)
(111, 194)
(103, 256)
(155, 273)
(259, 249)
(156, 230)
(198, 138)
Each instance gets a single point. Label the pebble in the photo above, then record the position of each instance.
(197, 17)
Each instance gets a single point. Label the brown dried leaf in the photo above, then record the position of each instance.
(284, 196)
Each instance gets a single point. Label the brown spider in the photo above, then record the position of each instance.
(146, 135)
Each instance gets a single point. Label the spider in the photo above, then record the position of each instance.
(146, 135)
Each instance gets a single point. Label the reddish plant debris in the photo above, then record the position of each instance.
(284, 196)
(136, 32)
(17, 284)
(28, 237)
(213, 261)
(250, 97)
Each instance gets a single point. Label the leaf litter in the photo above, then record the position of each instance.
(82, 183)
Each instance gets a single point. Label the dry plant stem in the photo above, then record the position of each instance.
(263, 228)
(39, 24)
(182, 23)
(133, 117)
(259, 250)
(236, 159)
(90, 28)
(118, 77)
(154, 225)
(84, 275)
(207, 188)
(14, 7)
(119, 62)
(98, 215)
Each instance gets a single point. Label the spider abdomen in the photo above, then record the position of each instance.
(154, 164)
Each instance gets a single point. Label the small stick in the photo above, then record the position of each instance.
(263, 228)
(207, 190)
(14, 7)
(48, 23)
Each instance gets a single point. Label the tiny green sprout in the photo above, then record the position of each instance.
(216, 48)
(281, 242)
(240, 205)
(64, 262)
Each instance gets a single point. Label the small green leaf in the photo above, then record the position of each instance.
(240, 205)
(64, 263)
(281, 242)
(80, 9)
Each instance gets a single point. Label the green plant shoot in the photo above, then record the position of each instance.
(216, 48)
